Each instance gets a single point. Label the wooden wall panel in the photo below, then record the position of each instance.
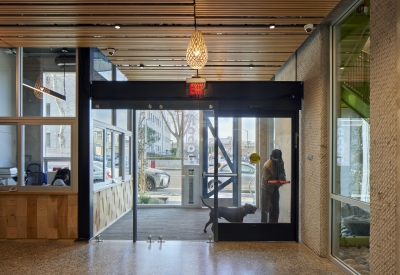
(37, 216)
(110, 204)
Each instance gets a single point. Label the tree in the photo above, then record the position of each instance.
(178, 123)
(142, 152)
(63, 83)
(152, 137)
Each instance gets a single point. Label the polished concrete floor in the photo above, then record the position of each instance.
(170, 257)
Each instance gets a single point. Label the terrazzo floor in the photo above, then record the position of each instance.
(171, 257)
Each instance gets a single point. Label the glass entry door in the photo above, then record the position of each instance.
(169, 155)
(191, 163)
(168, 142)
(255, 168)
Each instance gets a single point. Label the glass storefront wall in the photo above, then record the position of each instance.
(350, 194)
(40, 150)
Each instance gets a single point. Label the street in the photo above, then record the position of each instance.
(174, 191)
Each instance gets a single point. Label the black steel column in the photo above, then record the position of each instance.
(134, 162)
(215, 221)
(295, 172)
(85, 186)
(236, 162)
(205, 159)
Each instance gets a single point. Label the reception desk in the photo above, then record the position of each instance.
(34, 215)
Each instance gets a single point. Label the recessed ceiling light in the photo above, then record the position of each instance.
(272, 26)
(117, 26)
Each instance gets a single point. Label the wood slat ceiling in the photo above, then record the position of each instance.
(155, 33)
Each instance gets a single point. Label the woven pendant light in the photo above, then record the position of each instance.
(196, 54)
(40, 89)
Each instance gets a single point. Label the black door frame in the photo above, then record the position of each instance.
(261, 231)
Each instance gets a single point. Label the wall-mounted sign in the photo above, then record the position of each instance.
(195, 86)
(254, 158)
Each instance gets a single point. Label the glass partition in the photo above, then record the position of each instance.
(98, 157)
(112, 148)
(117, 154)
(8, 80)
(47, 151)
(49, 82)
(351, 139)
(122, 120)
(102, 115)
(102, 67)
(128, 160)
(8, 158)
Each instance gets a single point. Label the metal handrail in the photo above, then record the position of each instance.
(205, 175)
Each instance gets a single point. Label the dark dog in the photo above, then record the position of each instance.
(230, 214)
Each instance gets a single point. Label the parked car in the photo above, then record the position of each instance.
(156, 179)
(98, 158)
(248, 177)
(98, 172)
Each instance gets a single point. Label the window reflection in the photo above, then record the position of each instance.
(128, 166)
(98, 157)
(351, 235)
(117, 154)
(352, 105)
(49, 72)
(7, 87)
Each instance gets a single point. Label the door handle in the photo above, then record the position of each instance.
(205, 175)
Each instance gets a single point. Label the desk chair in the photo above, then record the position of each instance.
(33, 167)
(35, 178)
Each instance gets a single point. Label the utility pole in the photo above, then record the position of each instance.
(247, 141)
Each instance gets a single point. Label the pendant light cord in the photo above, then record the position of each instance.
(195, 28)
(64, 74)
(194, 9)
(65, 53)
